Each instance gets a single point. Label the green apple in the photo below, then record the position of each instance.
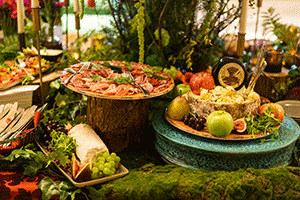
(180, 89)
(219, 123)
(178, 108)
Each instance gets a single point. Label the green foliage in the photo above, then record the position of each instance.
(287, 35)
(170, 33)
(64, 105)
(264, 123)
(63, 189)
(62, 146)
(140, 28)
(30, 159)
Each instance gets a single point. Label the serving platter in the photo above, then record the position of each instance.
(120, 172)
(11, 84)
(233, 136)
(115, 97)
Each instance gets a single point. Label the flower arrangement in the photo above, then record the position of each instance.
(8, 15)
(51, 14)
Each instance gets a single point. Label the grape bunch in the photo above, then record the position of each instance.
(106, 164)
(48, 127)
(195, 121)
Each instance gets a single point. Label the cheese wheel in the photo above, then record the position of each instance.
(88, 142)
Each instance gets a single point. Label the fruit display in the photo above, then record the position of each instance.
(223, 112)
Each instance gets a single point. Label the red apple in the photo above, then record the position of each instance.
(201, 80)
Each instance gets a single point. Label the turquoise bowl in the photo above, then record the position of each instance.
(187, 150)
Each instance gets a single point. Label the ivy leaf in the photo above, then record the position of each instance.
(55, 84)
(60, 100)
(64, 189)
(165, 37)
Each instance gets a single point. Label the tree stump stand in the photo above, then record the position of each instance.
(119, 123)
(266, 82)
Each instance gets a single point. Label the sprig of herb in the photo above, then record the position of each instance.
(151, 72)
(266, 123)
(128, 65)
(62, 146)
(95, 77)
(121, 80)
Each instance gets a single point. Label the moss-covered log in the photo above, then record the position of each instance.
(174, 182)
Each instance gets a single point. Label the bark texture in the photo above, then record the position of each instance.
(119, 123)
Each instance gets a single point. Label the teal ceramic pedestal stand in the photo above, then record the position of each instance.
(184, 149)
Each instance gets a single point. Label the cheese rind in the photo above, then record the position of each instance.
(237, 110)
(87, 141)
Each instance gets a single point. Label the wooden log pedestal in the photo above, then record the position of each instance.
(119, 123)
(266, 82)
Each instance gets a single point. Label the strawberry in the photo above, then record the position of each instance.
(37, 118)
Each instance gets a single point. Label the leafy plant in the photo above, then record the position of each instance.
(65, 106)
(170, 33)
(30, 159)
(51, 188)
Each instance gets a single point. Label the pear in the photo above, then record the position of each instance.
(178, 108)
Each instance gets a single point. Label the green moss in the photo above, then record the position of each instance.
(174, 182)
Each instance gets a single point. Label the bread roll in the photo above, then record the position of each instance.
(88, 142)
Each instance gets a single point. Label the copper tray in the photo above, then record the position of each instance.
(233, 136)
(120, 172)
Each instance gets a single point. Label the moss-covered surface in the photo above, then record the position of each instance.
(174, 182)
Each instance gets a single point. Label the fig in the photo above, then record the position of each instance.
(240, 125)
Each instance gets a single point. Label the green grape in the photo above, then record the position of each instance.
(101, 167)
(105, 154)
(113, 154)
(113, 170)
(106, 171)
(95, 170)
(102, 160)
(94, 175)
(110, 158)
(113, 164)
(107, 165)
(117, 159)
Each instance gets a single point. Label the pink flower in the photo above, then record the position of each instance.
(58, 4)
(1, 2)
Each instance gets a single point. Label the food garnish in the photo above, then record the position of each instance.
(265, 122)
